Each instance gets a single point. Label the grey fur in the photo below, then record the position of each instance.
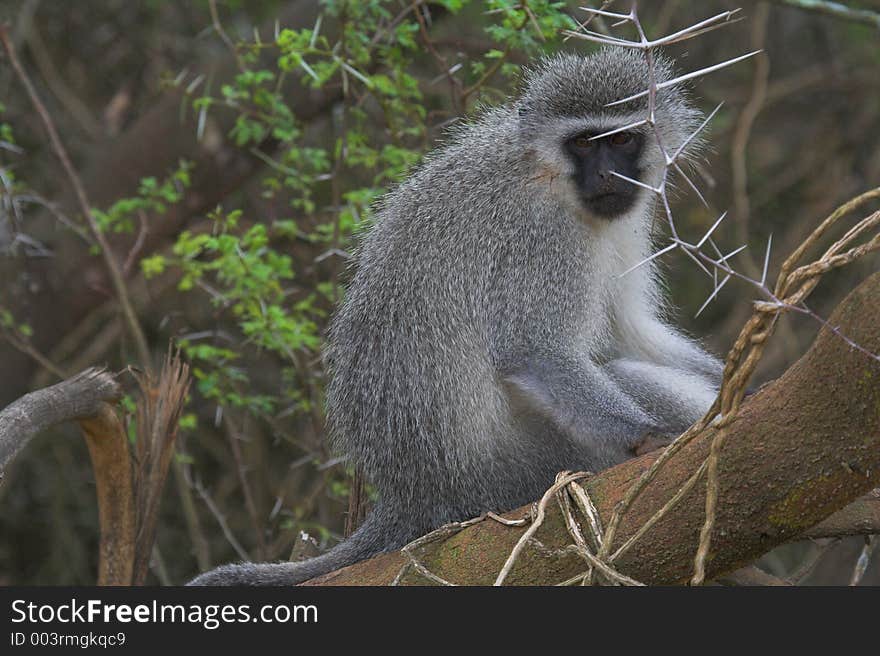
(487, 340)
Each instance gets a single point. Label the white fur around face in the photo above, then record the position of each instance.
(614, 247)
(625, 319)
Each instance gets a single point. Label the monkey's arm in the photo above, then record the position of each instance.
(646, 338)
(580, 399)
(674, 396)
(668, 374)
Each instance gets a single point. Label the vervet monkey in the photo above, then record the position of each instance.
(488, 339)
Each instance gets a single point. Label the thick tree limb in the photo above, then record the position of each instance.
(861, 517)
(751, 576)
(75, 398)
(800, 449)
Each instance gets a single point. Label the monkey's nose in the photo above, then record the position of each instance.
(607, 182)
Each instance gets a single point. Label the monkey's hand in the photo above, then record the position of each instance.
(651, 442)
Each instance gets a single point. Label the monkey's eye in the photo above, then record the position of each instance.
(620, 138)
(583, 142)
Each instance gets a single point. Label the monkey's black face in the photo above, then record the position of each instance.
(602, 193)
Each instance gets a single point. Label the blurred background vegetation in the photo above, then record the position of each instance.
(231, 151)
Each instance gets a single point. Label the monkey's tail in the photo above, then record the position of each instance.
(371, 538)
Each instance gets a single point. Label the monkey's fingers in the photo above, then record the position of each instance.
(651, 442)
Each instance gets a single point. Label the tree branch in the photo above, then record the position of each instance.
(861, 517)
(836, 9)
(801, 449)
(128, 501)
(75, 398)
(111, 463)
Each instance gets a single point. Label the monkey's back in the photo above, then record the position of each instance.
(441, 302)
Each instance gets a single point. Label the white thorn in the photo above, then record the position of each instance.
(715, 248)
(622, 129)
(694, 134)
(712, 295)
(636, 182)
(315, 31)
(692, 186)
(766, 260)
(724, 259)
(607, 14)
(308, 69)
(670, 38)
(648, 259)
(683, 78)
(601, 38)
(699, 264)
(711, 230)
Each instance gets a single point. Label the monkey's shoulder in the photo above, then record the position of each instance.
(479, 161)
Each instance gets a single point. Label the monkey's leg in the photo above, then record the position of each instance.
(582, 401)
